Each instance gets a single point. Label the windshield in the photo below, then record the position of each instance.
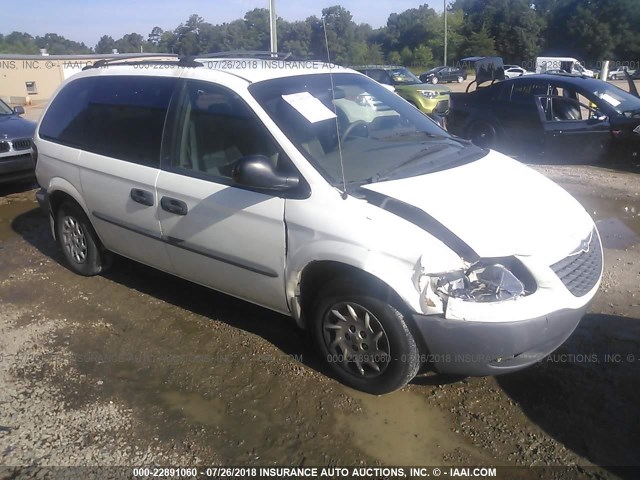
(621, 101)
(381, 135)
(402, 76)
(5, 109)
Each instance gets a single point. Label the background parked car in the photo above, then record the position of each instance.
(565, 115)
(512, 71)
(619, 73)
(432, 100)
(444, 74)
(15, 144)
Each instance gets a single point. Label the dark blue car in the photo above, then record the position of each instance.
(15, 145)
(578, 118)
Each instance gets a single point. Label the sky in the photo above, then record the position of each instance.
(87, 20)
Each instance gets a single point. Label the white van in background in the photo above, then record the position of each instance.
(568, 64)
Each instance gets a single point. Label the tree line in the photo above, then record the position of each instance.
(517, 30)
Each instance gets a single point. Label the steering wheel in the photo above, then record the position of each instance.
(351, 128)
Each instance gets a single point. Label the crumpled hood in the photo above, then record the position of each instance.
(13, 127)
(497, 206)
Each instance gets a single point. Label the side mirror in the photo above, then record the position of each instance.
(597, 118)
(257, 171)
(19, 110)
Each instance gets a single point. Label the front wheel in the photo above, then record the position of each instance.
(483, 134)
(364, 339)
(434, 80)
(460, 79)
(79, 241)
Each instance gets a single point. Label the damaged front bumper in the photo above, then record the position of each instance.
(492, 348)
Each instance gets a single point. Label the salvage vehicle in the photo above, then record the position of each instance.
(443, 74)
(568, 64)
(315, 192)
(565, 115)
(512, 71)
(620, 73)
(16, 132)
(431, 99)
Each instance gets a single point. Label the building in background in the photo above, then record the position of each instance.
(32, 79)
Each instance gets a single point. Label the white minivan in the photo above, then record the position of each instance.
(315, 192)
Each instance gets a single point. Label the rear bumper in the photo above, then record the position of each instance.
(492, 348)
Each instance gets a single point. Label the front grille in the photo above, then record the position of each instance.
(4, 147)
(22, 144)
(580, 271)
(442, 106)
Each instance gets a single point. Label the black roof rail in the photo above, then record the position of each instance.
(247, 53)
(138, 60)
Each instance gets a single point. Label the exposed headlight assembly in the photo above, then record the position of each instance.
(428, 93)
(481, 283)
(484, 281)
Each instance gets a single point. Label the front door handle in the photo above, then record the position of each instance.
(142, 196)
(173, 205)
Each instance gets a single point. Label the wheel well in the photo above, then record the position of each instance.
(319, 273)
(57, 198)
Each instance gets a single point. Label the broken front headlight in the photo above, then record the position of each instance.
(484, 281)
(481, 283)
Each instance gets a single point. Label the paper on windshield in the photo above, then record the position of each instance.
(610, 100)
(309, 106)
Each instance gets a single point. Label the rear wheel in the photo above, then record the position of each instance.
(79, 241)
(364, 339)
(483, 134)
(460, 79)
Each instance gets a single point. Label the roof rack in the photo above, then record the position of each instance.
(137, 60)
(247, 53)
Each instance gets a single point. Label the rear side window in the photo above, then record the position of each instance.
(118, 116)
(64, 121)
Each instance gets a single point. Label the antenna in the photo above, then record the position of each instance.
(335, 110)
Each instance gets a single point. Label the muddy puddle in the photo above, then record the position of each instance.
(9, 212)
(617, 219)
(403, 428)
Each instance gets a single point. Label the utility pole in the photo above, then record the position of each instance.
(274, 30)
(445, 33)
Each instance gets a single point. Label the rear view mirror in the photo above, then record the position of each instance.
(19, 110)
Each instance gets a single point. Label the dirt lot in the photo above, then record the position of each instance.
(139, 368)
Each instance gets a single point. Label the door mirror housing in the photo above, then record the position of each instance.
(257, 171)
(597, 117)
(19, 110)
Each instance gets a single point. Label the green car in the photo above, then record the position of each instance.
(431, 99)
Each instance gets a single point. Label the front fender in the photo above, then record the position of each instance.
(394, 272)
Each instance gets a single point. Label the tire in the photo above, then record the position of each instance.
(434, 79)
(79, 242)
(460, 79)
(363, 338)
(483, 134)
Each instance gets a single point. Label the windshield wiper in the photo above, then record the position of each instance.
(417, 156)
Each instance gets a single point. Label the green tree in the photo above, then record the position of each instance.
(478, 44)
(131, 43)
(106, 44)
(423, 57)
